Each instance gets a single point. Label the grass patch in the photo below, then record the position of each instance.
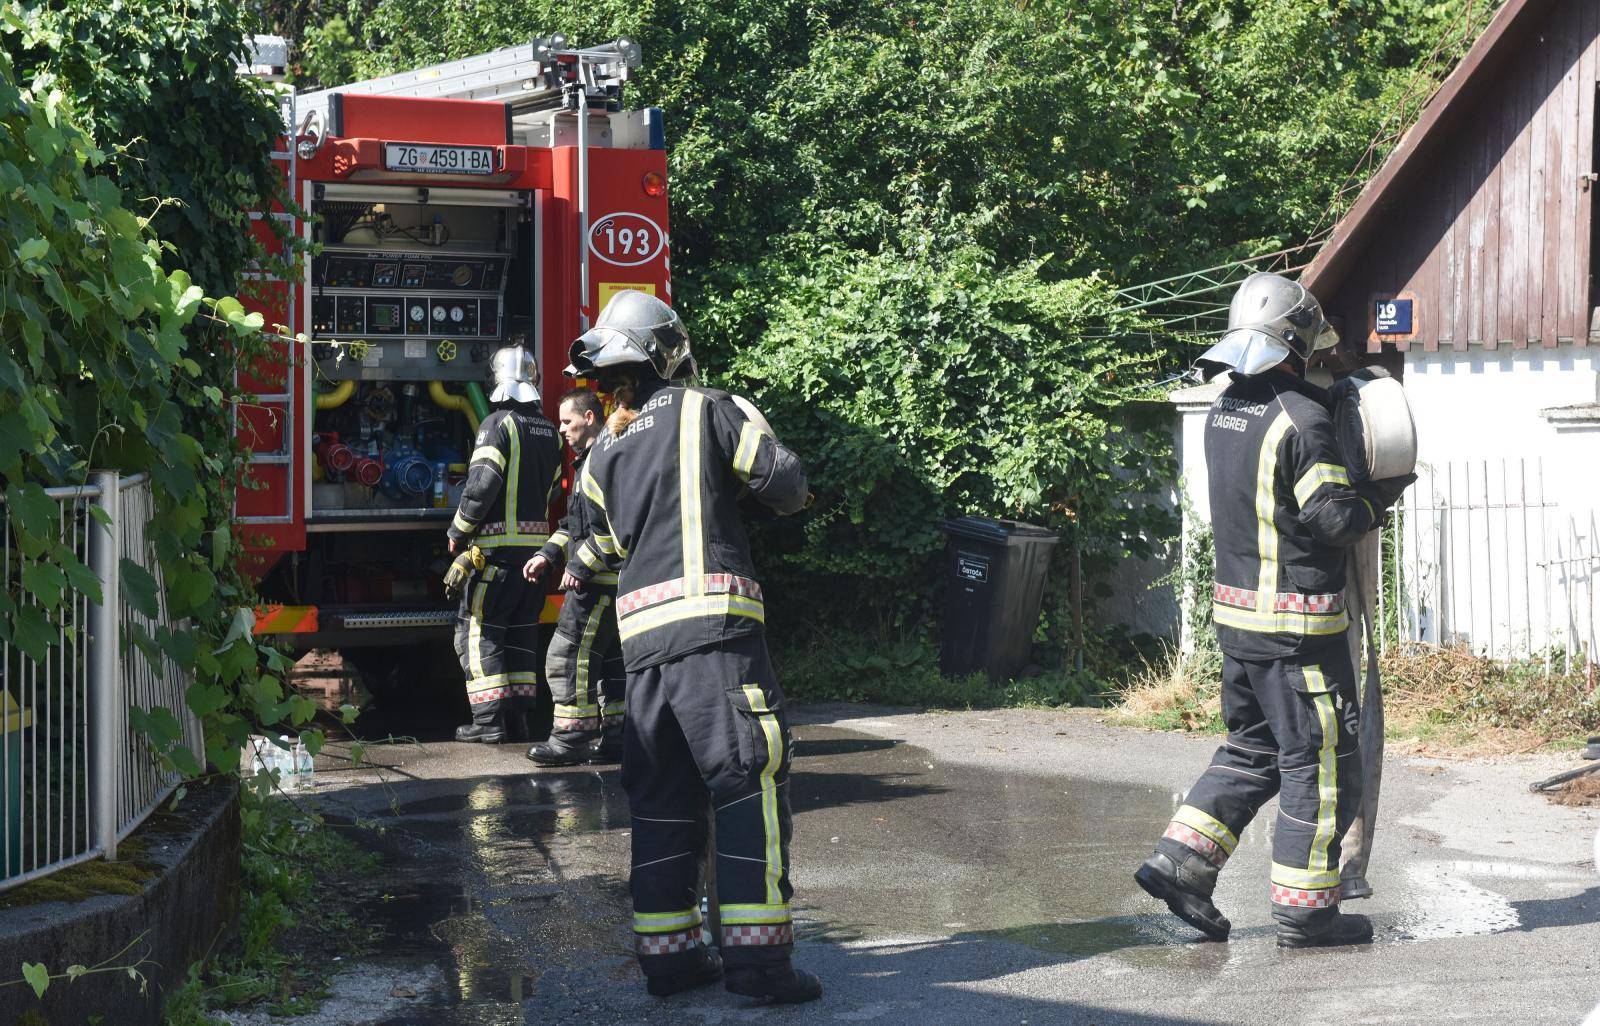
(1175, 692)
(1438, 700)
(294, 916)
(905, 671)
(127, 875)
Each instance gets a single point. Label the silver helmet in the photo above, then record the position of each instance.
(634, 328)
(516, 375)
(1270, 319)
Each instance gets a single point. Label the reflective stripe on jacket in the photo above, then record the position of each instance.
(664, 497)
(1283, 514)
(514, 467)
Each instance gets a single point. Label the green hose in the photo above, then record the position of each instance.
(475, 396)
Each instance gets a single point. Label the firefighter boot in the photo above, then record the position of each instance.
(484, 733)
(603, 752)
(777, 984)
(550, 753)
(1316, 928)
(667, 984)
(1184, 879)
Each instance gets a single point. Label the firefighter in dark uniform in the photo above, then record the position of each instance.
(580, 666)
(1284, 515)
(502, 520)
(705, 712)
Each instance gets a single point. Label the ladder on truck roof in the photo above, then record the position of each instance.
(531, 76)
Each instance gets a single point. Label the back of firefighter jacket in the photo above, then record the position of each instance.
(666, 494)
(505, 504)
(1283, 514)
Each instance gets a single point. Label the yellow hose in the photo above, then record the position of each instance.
(338, 397)
(458, 403)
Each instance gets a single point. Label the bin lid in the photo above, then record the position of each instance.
(14, 717)
(997, 530)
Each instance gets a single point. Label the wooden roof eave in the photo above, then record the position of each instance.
(1453, 102)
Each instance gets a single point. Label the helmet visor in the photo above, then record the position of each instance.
(1326, 338)
(1248, 351)
(602, 346)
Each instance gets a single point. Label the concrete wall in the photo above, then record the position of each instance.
(183, 912)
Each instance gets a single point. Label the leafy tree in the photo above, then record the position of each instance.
(898, 223)
(187, 137)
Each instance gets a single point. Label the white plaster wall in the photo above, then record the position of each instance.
(1500, 553)
(1475, 406)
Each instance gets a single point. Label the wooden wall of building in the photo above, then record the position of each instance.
(1494, 241)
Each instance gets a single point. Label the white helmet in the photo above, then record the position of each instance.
(516, 375)
(1270, 319)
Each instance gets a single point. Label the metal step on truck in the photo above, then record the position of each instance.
(452, 209)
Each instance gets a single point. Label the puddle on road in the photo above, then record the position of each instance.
(514, 886)
(895, 843)
(498, 885)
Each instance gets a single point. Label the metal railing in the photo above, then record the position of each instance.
(75, 777)
(1478, 555)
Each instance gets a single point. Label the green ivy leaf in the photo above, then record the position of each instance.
(204, 699)
(31, 509)
(33, 249)
(38, 977)
(45, 582)
(139, 589)
(239, 628)
(32, 632)
(82, 579)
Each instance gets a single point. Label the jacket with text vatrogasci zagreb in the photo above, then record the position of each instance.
(1283, 515)
(667, 494)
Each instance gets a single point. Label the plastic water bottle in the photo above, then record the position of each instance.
(441, 484)
(305, 766)
(288, 763)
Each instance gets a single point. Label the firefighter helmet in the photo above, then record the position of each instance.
(1270, 319)
(516, 375)
(634, 328)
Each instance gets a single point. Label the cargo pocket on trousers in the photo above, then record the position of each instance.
(759, 728)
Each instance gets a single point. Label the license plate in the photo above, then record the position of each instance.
(439, 160)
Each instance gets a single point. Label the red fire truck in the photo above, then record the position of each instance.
(450, 210)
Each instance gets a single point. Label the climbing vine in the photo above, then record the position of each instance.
(117, 358)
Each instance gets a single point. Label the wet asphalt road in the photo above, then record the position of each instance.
(966, 867)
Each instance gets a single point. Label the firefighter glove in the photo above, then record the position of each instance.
(461, 571)
(1385, 492)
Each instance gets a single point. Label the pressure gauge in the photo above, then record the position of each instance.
(438, 313)
(456, 313)
(418, 313)
(461, 276)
